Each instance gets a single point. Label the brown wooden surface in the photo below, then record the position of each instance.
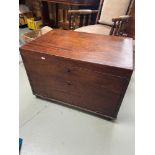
(131, 25)
(45, 13)
(67, 4)
(75, 2)
(83, 70)
(98, 49)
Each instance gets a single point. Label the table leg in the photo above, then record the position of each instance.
(57, 15)
(45, 13)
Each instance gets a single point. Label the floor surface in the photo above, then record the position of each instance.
(52, 129)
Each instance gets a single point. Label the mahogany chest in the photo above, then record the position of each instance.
(86, 71)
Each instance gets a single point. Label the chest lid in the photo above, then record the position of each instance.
(101, 50)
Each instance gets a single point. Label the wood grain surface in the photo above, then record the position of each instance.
(99, 49)
(88, 71)
(75, 2)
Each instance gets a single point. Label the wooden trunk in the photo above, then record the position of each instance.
(86, 71)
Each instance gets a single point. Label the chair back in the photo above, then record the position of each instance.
(110, 9)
